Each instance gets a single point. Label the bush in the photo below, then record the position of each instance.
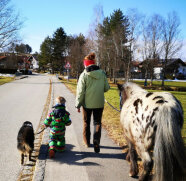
(8, 71)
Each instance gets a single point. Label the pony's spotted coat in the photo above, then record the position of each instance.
(153, 122)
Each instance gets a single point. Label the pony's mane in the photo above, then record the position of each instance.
(132, 88)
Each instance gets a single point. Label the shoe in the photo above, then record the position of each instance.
(51, 154)
(86, 144)
(96, 147)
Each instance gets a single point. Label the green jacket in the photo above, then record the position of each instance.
(91, 87)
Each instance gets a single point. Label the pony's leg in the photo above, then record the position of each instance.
(132, 156)
(128, 156)
(147, 166)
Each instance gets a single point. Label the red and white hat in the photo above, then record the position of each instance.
(88, 62)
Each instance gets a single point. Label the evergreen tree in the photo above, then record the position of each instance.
(112, 39)
(45, 57)
(59, 42)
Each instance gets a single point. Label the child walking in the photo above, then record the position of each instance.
(58, 119)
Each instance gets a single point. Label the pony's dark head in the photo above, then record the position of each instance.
(127, 90)
(122, 95)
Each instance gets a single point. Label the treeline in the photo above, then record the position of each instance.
(124, 38)
(117, 40)
(59, 49)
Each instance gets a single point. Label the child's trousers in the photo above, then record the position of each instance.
(57, 142)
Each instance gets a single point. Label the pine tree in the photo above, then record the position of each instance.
(59, 42)
(45, 57)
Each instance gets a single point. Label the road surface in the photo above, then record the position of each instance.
(20, 100)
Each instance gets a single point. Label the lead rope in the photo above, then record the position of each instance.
(41, 131)
(112, 106)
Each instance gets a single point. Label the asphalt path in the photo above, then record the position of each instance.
(78, 163)
(20, 100)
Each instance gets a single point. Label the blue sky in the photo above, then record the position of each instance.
(43, 17)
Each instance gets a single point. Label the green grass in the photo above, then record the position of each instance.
(112, 96)
(111, 117)
(166, 83)
(4, 80)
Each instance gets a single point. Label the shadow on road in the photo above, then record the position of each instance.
(71, 157)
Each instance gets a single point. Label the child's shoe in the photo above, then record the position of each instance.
(51, 154)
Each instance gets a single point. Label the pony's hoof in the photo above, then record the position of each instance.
(133, 173)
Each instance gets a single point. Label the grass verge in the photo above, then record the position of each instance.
(111, 118)
(4, 80)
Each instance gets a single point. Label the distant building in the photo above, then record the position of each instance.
(34, 62)
(175, 69)
(18, 61)
(3, 60)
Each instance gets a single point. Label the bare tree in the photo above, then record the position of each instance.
(172, 42)
(154, 33)
(76, 53)
(98, 17)
(152, 42)
(134, 18)
(145, 47)
(10, 24)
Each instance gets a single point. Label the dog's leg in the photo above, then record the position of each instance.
(30, 157)
(30, 154)
(22, 158)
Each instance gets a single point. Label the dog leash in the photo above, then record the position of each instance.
(41, 130)
(112, 106)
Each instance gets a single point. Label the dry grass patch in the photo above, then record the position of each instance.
(4, 80)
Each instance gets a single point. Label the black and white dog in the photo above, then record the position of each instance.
(25, 140)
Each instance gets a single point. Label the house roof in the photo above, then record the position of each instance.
(175, 60)
(169, 62)
(2, 57)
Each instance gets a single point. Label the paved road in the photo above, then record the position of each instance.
(80, 163)
(20, 100)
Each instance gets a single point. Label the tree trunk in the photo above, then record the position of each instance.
(145, 83)
(163, 73)
(114, 76)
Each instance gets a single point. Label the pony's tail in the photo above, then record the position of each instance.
(169, 151)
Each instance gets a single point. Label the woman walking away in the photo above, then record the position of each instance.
(90, 95)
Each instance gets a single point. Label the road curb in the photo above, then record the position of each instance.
(39, 172)
(21, 77)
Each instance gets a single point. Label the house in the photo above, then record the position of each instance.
(175, 68)
(15, 61)
(23, 63)
(3, 60)
(34, 62)
(8, 61)
(135, 70)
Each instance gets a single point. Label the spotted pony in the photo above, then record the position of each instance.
(152, 125)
